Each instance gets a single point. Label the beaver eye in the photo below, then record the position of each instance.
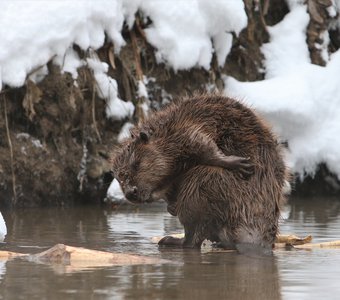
(121, 175)
(135, 165)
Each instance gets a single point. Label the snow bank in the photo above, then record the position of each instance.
(32, 33)
(185, 34)
(301, 100)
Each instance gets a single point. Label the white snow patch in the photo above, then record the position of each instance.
(115, 193)
(142, 91)
(3, 228)
(287, 50)
(69, 62)
(23, 136)
(124, 132)
(107, 89)
(166, 97)
(39, 74)
(36, 143)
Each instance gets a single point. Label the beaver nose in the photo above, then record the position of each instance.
(131, 193)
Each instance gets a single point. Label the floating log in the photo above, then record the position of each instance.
(61, 253)
(4, 255)
(331, 244)
(292, 239)
(81, 258)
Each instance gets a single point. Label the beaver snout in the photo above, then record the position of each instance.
(131, 193)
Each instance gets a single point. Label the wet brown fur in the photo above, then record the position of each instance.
(162, 160)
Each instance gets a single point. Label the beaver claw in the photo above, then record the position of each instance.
(240, 164)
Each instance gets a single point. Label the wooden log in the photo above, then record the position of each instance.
(76, 258)
(292, 239)
(331, 244)
(4, 255)
(61, 253)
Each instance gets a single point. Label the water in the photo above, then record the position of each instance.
(291, 274)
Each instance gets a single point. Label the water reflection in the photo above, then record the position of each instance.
(2, 269)
(311, 274)
(225, 276)
(316, 209)
(29, 230)
(319, 217)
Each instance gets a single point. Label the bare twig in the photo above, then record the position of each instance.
(94, 112)
(11, 152)
(265, 7)
(110, 52)
(140, 29)
(139, 72)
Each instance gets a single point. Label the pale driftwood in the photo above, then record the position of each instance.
(76, 258)
(4, 255)
(292, 239)
(332, 244)
(61, 253)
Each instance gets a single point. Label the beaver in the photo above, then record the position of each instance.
(218, 166)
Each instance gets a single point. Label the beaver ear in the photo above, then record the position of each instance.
(144, 136)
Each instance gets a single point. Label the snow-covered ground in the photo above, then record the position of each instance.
(301, 100)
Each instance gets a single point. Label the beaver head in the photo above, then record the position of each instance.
(142, 168)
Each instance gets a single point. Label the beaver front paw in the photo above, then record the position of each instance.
(245, 168)
(241, 165)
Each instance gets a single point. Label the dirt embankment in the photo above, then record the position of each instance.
(55, 139)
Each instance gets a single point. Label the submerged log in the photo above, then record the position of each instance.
(290, 239)
(281, 241)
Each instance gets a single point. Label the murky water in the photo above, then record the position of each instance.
(295, 274)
